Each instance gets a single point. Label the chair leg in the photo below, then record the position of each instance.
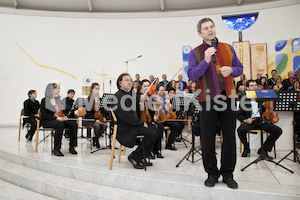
(52, 153)
(120, 151)
(37, 135)
(144, 154)
(113, 147)
(124, 151)
(168, 134)
(20, 129)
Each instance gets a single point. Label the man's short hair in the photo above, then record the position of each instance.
(159, 85)
(250, 81)
(70, 91)
(30, 92)
(274, 70)
(203, 21)
(120, 78)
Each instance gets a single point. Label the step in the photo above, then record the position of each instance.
(65, 188)
(172, 185)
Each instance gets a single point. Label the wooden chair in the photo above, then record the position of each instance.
(256, 132)
(81, 113)
(115, 129)
(167, 130)
(39, 128)
(27, 125)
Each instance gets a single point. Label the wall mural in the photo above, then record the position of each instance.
(43, 66)
(286, 57)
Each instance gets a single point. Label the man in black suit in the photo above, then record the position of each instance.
(271, 82)
(31, 107)
(241, 82)
(165, 82)
(129, 125)
(182, 83)
(69, 105)
(289, 82)
(249, 115)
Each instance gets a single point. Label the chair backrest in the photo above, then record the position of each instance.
(81, 112)
(22, 112)
(39, 113)
(113, 114)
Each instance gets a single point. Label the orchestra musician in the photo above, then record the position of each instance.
(143, 114)
(130, 126)
(53, 117)
(250, 120)
(174, 126)
(31, 108)
(95, 113)
(69, 104)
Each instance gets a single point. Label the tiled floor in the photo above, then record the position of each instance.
(260, 173)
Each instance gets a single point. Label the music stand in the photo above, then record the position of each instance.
(179, 102)
(290, 102)
(261, 96)
(106, 102)
(193, 150)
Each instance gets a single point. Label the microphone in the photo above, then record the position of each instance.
(214, 44)
(139, 56)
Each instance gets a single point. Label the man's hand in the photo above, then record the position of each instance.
(208, 53)
(226, 71)
(145, 125)
(60, 119)
(249, 120)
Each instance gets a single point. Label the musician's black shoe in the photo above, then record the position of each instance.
(72, 150)
(151, 156)
(171, 147)
(246, 153)
(177, 139)
(158, 154)
(264, 154)
(96, 142)
(211, 181)
(135, 164)
(57, 152)
(230, 183)
(148, 163)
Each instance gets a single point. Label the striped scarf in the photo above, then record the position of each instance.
(213, 79)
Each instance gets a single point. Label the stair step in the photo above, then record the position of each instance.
(65, 188)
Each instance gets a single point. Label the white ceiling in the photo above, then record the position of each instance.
(116, 6)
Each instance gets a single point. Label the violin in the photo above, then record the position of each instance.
(98, 115)
(269, 115)
(145, 115)
(159, 116)
(59, 112)
(170, 113)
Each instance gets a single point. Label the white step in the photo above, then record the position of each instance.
(161, 184)
(65, 188)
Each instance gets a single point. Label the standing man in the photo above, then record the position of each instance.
(271, 82)
(258, 76)
(137, 79)
(181, 82)
(289, 82)
(213, 69)
(165, 82)
(69, 104)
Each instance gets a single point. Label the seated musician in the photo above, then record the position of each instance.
(129, 125)
(179, 114)
(94, 112)
(250, 120)
(174, 126)
(53, 117)
(159, 127)
(69, 105)
(31, 108)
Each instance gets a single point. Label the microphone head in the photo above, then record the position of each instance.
(214, 43)
(140, 56)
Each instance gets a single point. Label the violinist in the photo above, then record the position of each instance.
(53, 117)
(69, 104)
(146, 115)
(31, 107)
(250, 120)
(94, 112)
(174, 126)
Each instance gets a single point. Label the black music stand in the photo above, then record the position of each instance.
(178, 104)
(106, 102)
(290, 102)
(193, 150)
(263, 97)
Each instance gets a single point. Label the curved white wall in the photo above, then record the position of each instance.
(77, 45)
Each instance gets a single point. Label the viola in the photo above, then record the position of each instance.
(269, 115)
(145, 115)
(159, 116)
(170, 113)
